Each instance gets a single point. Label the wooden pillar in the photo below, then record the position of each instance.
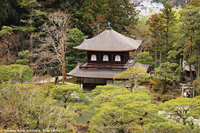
(99, 58)
(193, 91)
(81, 84)
(112, 58)
(182, 91)
(124, 60)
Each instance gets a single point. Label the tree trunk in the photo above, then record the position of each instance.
(135, 84)
(184, 121)
(37, 125)
(160, 57)
(165, 85)
(8, 54)
(8, 50)
(28, 116)
(65, 99)
(31, 52)
(156, 58)
(20, 115)
(56, 79)
(190, 69)
(167, 41)
(198, 69)
(31, 43)
(132, 85)
(190, 55)
(63, 62)
(65, 106)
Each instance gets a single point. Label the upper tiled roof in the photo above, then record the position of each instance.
(109, 41)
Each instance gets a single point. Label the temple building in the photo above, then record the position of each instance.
(107, 55)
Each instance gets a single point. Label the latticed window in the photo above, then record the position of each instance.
(117, 58)
(105, 58)
(93, 57)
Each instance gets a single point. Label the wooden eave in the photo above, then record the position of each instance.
(106, 50)
(102, 73)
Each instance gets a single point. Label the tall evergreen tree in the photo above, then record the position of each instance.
(3, 13)
(75, 38)
(29, 22)
(10, 13)
(191, 24)
(155, 36)
(120, 13)
(161, 32)
(167, 20)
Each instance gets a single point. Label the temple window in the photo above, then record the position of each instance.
(105, 58)
(93, 57)
(117, 58)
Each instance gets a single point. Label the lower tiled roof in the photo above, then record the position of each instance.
(100, 73)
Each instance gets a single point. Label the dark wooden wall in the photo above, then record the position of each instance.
(124, 57)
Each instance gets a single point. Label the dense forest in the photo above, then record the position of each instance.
(37, 39)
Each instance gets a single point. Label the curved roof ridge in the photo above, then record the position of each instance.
(128, 40)
(93, 38)
(119, 38)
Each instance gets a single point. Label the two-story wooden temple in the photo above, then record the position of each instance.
(107, 55)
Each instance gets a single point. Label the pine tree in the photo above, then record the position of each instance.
(191, 24)
(75, 38)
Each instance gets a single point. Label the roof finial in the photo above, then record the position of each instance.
(108, 28)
